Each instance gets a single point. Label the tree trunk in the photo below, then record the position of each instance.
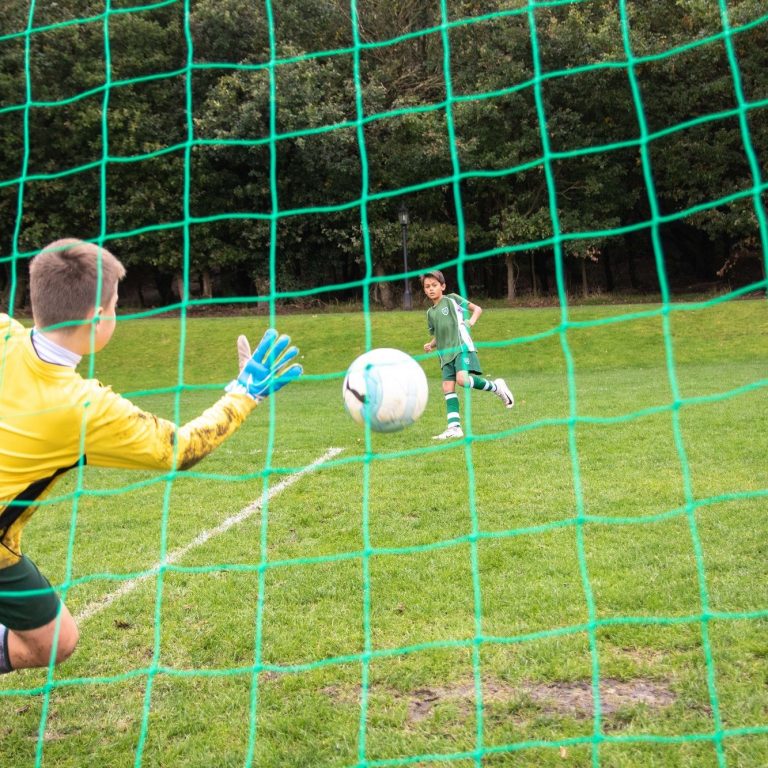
(205, 281)
(608, 272)
(163, 283)
(19, 289)
(541, 274)
(178, 286)
(631, 271)
(511, 263)
(382, 291)
(584, 281)
(534, 285)
(261, 285)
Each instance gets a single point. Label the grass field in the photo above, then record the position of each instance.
(414, 603)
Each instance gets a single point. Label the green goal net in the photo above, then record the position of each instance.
(580, 580)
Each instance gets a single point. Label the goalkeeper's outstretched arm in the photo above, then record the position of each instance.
(122, 435)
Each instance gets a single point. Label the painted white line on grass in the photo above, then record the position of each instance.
(126, 587)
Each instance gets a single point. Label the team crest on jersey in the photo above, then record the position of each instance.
(444, 310)
(466, 361)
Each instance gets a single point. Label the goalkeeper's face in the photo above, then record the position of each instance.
(106, 322)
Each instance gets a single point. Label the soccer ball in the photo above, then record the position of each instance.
(387, 388)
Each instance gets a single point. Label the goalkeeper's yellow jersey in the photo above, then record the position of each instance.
(51, 418)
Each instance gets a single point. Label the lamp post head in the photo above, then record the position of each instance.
(402, 214)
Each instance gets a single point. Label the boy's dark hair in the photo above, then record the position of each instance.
(63, 281)
(436, 273)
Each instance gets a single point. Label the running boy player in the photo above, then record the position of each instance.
(449, 327)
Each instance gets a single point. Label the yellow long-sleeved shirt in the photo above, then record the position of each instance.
(51, 418)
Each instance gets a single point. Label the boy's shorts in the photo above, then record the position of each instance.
(26, 611)
(466, 361)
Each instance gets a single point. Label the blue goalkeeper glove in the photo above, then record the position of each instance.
(267, 369)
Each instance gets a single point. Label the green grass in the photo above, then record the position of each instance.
(583, 534)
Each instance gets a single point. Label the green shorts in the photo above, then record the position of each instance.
(26, 611)
(466, 361)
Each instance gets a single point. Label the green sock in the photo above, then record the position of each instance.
(478, 382)
(452, 406)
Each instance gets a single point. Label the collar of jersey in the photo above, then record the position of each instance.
(49, 356)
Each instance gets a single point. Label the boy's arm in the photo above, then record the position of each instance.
(476, 311)
(432, 344)
(119, 434)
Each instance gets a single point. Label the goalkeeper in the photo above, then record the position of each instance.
(52, 420)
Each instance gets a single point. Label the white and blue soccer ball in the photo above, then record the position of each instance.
(386, 388)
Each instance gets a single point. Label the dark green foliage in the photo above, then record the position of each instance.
(207, 146)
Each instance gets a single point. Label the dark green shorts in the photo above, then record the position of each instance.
(26, 611)
(466, 361)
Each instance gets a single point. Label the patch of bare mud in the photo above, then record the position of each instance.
(572, 699)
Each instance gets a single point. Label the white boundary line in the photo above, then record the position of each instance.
(126, 587)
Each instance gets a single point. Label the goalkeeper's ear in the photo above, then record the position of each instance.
(243, 352)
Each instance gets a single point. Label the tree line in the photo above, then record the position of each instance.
(274, 144)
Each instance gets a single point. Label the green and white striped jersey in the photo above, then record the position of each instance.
(447, 323)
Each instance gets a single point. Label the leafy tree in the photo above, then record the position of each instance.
(351, 134)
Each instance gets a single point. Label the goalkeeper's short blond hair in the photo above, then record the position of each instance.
(64, 281)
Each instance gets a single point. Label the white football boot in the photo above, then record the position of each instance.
(504, 393)
(453, 431)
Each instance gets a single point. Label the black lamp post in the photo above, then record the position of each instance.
(402, 214)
